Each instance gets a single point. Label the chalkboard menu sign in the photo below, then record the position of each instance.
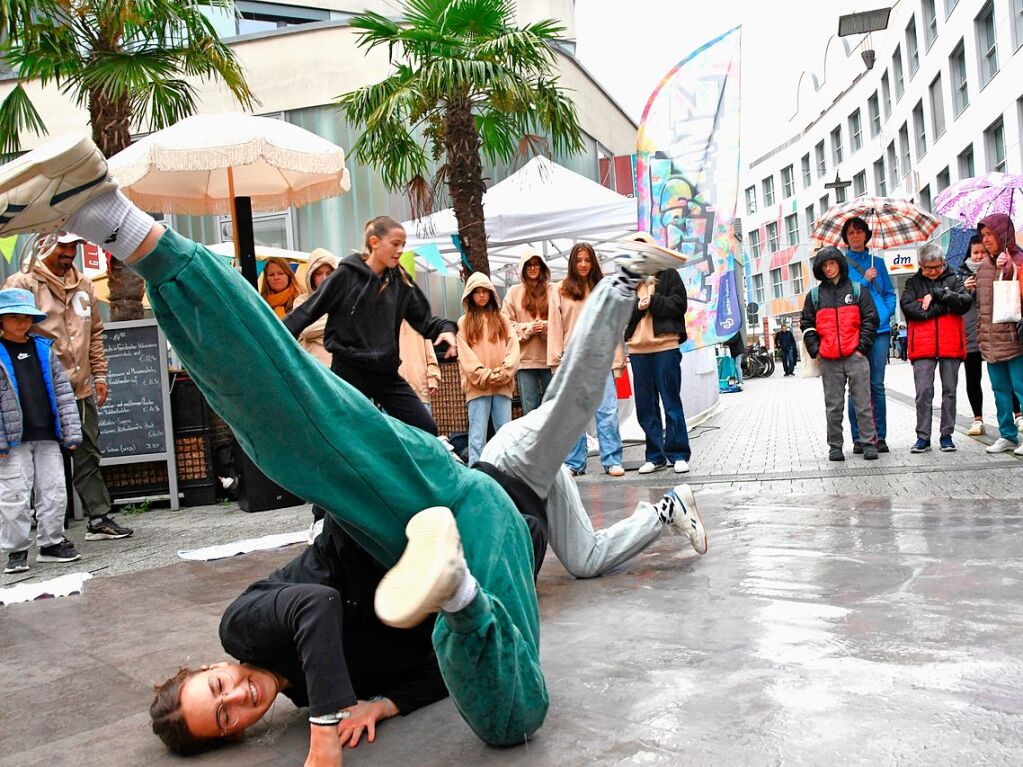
(135, 421)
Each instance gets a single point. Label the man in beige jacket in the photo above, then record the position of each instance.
(73, 322)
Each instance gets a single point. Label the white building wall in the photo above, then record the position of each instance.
(826, 99)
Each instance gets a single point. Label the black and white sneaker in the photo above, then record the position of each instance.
(678, 509)
(105, 529)
(64, 551)
(17, 562)
(644, 257)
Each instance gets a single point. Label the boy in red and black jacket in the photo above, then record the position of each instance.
(839, 322)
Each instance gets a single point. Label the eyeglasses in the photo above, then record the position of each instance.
(933, 267)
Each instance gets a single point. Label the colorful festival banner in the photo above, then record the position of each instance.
(687, 181)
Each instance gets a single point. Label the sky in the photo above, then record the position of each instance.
(629, 51)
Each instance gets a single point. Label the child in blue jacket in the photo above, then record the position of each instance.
(37, 415)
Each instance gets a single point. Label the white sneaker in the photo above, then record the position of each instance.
(1002, 445)
(41, 190)
(649, 467)
(1019, 423)
(977, 429)
(428, 573)
(1018, 451)
(678, 508)
(314, 530)
(645, 257)
(681, 467)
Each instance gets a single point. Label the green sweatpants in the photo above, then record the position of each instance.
(321, 439)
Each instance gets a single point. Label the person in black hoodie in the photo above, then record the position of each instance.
(839, 321)
(309, 632)
(934, 302)
(365, 300)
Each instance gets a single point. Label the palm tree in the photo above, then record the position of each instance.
(126, 62)
(467, 84)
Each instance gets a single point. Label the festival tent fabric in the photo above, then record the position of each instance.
(541, 203)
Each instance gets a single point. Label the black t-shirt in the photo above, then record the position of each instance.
(36, 411)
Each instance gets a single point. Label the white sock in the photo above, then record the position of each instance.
(113, 222)
(463, 595)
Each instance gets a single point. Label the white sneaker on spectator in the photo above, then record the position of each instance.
(1018, 451)
(1002, 445)
(977, 429)
(650, 467)
(1019, 424)
(681, 466)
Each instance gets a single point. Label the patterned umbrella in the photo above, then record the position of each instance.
(973, 199)
(892, 222)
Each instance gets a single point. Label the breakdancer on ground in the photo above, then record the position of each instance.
(468, 552)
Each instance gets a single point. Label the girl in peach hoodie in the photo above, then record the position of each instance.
(488, 356)
(527, 305)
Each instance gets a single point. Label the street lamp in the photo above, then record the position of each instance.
(863, 24)
(838, 184)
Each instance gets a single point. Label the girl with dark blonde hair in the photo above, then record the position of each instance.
(365, 300)
(527, 306)
(279, 287)
(569, 297)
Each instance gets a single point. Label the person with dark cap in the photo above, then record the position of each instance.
(870, 272)
(839, 325)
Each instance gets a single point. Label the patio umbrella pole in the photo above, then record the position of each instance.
(241, 225)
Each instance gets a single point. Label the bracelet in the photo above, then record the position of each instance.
(330, 719)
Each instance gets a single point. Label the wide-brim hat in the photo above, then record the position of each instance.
(18, 301)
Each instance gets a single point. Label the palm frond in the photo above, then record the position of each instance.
(164, 102)
(17, 115)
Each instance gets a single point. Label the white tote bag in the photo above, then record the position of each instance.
(1005, 301)
(809, 368)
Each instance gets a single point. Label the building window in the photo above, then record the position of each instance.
(792, 229)
(994, 146)
(912, 47)
(879, 182)
(875, 115)
(925, 198)
(967, 168)
(960, 87)
(943, 180)
(807, 176)
(987, 44)
(937, 108)
(900, 81)
(796, 277)
(811, 219)
(904, 156)
(893, 166)
(768, 184)
(856, 130)
(777, 284)
(860, 183)
(751, 200)
(822, 166)
(788, 181)
(758, 289)
(949, 7)
(250, 17)
(886, 95)
(823, 205)
(1017, 22)
(836, 145)
(772, 237)
(754, 243)
(920, 129)
(840, 195)
(930, 23)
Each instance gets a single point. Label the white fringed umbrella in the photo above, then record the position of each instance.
(207, 164)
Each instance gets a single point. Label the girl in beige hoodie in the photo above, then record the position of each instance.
(488, 356)
(527, 306)
(320, 266)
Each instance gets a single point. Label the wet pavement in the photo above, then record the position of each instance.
(843, 629)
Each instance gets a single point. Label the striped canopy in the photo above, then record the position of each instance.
(892, 222)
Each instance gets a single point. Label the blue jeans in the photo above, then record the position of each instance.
(659, 376)
(788, 359)
(878, 359)
(607, 433)
(483, 410)
(1006, 378)
(533, 383)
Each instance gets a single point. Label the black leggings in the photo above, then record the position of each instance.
(974, 365)
(390, 391)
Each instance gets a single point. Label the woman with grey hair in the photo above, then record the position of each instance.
(934, 302)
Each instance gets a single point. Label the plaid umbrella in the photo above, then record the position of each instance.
(892, 222)
(973, 199)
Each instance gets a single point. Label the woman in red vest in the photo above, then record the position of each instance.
(934, 302)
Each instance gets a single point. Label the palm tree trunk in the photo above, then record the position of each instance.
(465, 183)
(111, 122)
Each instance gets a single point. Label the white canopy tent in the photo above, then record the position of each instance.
(544, 205)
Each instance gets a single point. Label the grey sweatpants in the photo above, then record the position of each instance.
(32, 468)
(533, 448)
(923, 380)
(834, 374)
